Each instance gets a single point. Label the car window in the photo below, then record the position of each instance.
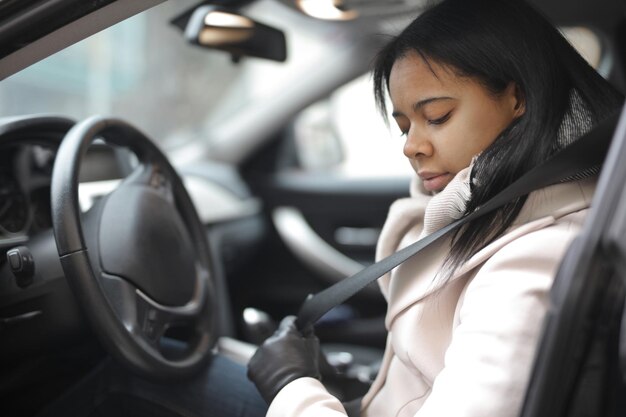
(141, 69)
(345, 132)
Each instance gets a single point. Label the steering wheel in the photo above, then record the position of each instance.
(137, 260)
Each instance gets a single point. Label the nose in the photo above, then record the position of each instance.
(417, 145)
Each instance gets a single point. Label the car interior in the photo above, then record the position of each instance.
(218, 216)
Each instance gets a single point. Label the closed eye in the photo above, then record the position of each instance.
(440, 120)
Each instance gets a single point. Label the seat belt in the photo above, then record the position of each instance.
(587, 152)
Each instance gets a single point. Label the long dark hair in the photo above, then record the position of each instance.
(497, 42)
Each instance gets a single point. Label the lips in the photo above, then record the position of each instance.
(435, 181)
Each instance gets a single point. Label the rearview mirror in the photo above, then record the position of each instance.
(216, 28)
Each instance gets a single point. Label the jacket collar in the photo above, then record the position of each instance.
(416, 279)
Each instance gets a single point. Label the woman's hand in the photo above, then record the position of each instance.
(286, 356)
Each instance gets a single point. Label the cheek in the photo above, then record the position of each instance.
(472, 133)
(457, 145)
(490, 118)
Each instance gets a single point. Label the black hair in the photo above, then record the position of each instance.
(497, 42)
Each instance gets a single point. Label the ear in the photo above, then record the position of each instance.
(519, 107)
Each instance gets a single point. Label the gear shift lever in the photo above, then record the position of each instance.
(258, 325)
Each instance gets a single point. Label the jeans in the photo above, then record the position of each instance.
(222, 390)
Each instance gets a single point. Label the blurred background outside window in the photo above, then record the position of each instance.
(142, 70)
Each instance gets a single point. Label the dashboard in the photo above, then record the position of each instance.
(27, 157)
(25, 172)
(28, 147)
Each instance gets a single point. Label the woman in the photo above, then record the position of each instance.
(483, 91)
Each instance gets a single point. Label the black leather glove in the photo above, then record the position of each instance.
(285, 356)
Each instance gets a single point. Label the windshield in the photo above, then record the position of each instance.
(141, 70)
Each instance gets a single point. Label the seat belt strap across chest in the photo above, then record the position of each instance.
(587, 152)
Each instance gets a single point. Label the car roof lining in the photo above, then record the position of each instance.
(582, 12)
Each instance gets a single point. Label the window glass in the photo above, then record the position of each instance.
(586, 43)
(141, 70)
(347, 133)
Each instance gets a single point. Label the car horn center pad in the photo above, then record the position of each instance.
(138, 222)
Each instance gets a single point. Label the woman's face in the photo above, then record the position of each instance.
(447, 119)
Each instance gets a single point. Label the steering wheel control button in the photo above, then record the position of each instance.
(158, 180)
(149, 326)
(22, 265)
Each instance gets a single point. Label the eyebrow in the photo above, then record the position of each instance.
(422, 103)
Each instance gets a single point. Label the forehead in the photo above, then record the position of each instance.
(411, 75)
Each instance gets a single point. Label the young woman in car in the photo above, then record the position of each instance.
(482, 91)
